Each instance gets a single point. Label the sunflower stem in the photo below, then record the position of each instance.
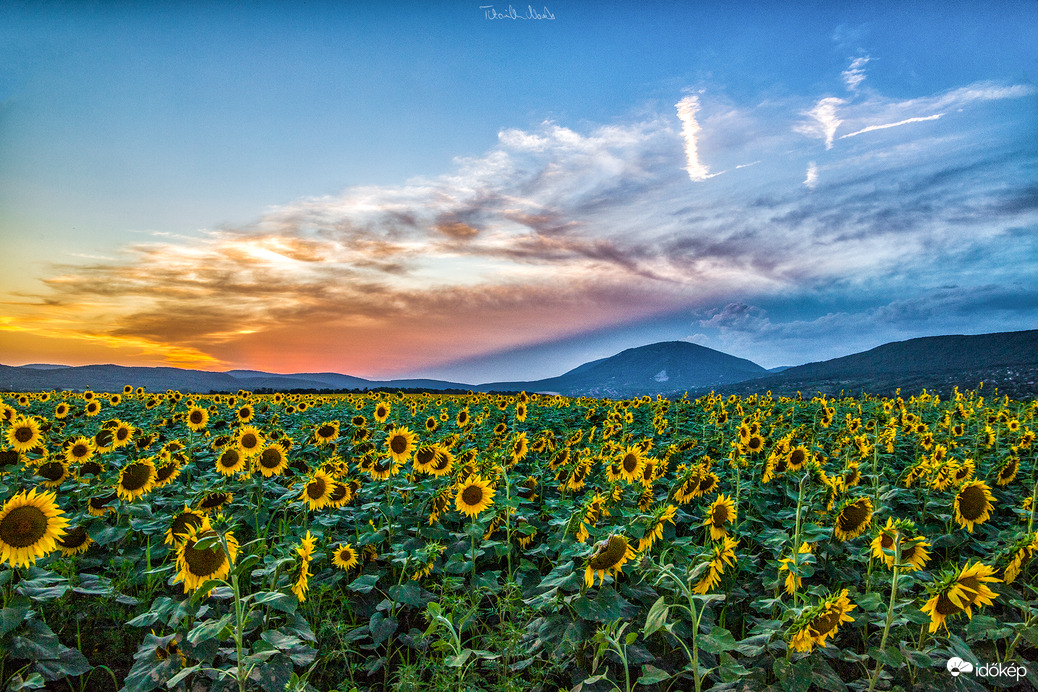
(890, 608)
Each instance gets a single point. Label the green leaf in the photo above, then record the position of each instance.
(276, 600)
(364, 583)
(175, 680)
(410, 594)
(14, 614)
(657, 617)
(209, 629)
(719, 639)
(651, 675)
(280, 640)
(824, 677)
(382, 627)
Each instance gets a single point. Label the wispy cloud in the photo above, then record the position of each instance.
(824, 120)
(906, 121)
(690, 129)
(811, 181)
(854, 75)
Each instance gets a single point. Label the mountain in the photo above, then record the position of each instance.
(1007, 360)
(654, 369)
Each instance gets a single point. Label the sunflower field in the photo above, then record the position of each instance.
(391, 541)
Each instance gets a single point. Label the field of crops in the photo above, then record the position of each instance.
(390, 541)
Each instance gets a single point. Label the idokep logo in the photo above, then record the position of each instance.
(956, 666)
(1001, 673)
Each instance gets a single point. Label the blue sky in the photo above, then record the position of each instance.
(387, 190)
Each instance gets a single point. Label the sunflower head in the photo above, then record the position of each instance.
(474, 495)
(136, 479)
(24, 434)
(30, 525)
(957, 592)
(973, 504)
(852, 518)
(818, 623)
(197, 564)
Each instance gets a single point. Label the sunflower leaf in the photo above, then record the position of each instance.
(718, 640)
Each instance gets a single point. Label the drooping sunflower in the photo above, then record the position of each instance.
(345, 557)
(852, 518)
(99, 506)
(341, 494)
(722, 513)
(197, 565)
(272, 461)
(1022, 552)
(793, 579)
(655, 531)
(1007, 472)
(168, 471)
(79, 450)
(89, 468)
(197, 419)
(24, 434)
(609, 558)
(400, 443)
(708, 483)
(958, 592)
(181, 522)
(474, 496)
(424, 457)
(74, 542)
(722, 553)
(214, 501)
(973, 504)
(249, 440)
(818, 623)
(230, 461)
(54, 471)
(305, 553)
(30, 525)
(914, 553)
(317, 492)
(383, 469)
(136, 479)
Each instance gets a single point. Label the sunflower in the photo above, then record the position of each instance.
(973, 504)
(98, 506)
(54, 471)
(317, 492)
(61, 410)
(431, 424)
(230, 462)
(400, 442)
(474, 496)
(914, 554)
(195, 566)
(853, 518)
(1022, 552)
(30, 525)
(958, 592)
(519, 447)
(89, 468)
(249, 440)
(818, 623)
(797, 457)
(443, 464)
(122, 434)
(214, 501)
(327, 432)
(707, 484)
(165, 474)
(384, 469)
(245, 413)
(181, 523)
(722, 553)
(609, 558)
(92, 408)
(136, 479)
(24, 434)
(424, 457)
(305, 551)
(74, 542)
(79, 450)
(631, 464)
(345, 557)
(381, 412)
(1007, 472)
(793, 579)
(721, 514)
(462, 419)
(754, 444)
(197, 419)
(655, 531)
(341, 494)
(272, 461)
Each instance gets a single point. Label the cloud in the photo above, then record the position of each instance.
(558, 230)
(690, 129)
(824, 120)
(854, 75)
(811, 181)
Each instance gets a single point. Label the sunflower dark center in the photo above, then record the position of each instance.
(52, 471)
(326, 431)
(249, 441)
(797, 457)
(1007, 470)
(80, 450)
(972, 502)
(316, 488)
(73, 538)
(825, 623)
(755, 443)
(213, 501)
(707, 484)
(339, 492)
(196, 417)
(853, 516)
(610, 554)
(183, 521)
(472, 495)
(630, 463)
(425, 455)
(135, 476)
(202, 563)
(23, 526)
(23, 434)
(90, 467)
(398, 444)
(886, 541)
(230, 458)
(971, 587)
(270, 458)
(122, 433)
(945, 606)
(166, 471)
(719, 515)
(103, 438)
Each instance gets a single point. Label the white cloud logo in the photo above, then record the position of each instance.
(956, 666)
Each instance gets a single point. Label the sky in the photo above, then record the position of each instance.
(478, 192)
